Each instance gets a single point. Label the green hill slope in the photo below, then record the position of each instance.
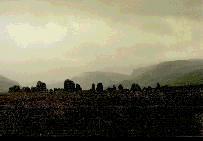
(192, 78)
(172, 72)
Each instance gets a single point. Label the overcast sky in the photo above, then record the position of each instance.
(53, 39)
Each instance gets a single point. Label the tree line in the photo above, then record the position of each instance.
(115, 111)
(70, 86)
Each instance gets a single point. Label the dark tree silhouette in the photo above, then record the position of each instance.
(14, 88)
(26, 89)
(120, 87)
(99, 87)
(34, 89)
(78, 88)
(133, 89)
(114, 87)
(158, 86)
(93, 87)
(149, 88)
(55, 89)
(41, 86)
(137, 87)
(69, 85)
(51, 91)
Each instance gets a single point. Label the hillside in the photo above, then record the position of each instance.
(171, 72)
(107, 78)
(192, 78)
(86, 79)
(5, 83)
(178, 72)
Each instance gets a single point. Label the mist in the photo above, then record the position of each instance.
(53, 40)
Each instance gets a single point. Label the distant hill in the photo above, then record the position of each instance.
(171, 73)
(107, 78)
(5, 83)
(86, 79)
(180, 72)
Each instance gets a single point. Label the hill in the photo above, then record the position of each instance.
(86, 79)
(170, 73)
(5, 83)
(107, 78)
(192, 78)
(179, 72)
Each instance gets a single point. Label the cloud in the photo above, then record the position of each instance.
(114, 9)
(86, 35)
(27, 34)
(177, 8)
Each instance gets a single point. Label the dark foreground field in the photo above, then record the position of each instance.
(89, 114)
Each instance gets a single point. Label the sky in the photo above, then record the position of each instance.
(51, 40)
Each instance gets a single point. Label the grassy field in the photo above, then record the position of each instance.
(88, 114)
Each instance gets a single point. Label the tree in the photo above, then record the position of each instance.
(99, 87)
(149, 88)
(114, 87)
(69, 85)
(41, 86)
(158, 86)
(14, 88)
(34, 89)
(26, 89)
(51, 91)
(137, 87)
(78, 88)
(120, 87)
(133, 88)
(93, 87)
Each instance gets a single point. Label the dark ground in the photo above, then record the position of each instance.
(89, 114)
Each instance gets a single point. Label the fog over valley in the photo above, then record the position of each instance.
(53, 40)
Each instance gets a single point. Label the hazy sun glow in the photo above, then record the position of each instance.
(25, 34)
